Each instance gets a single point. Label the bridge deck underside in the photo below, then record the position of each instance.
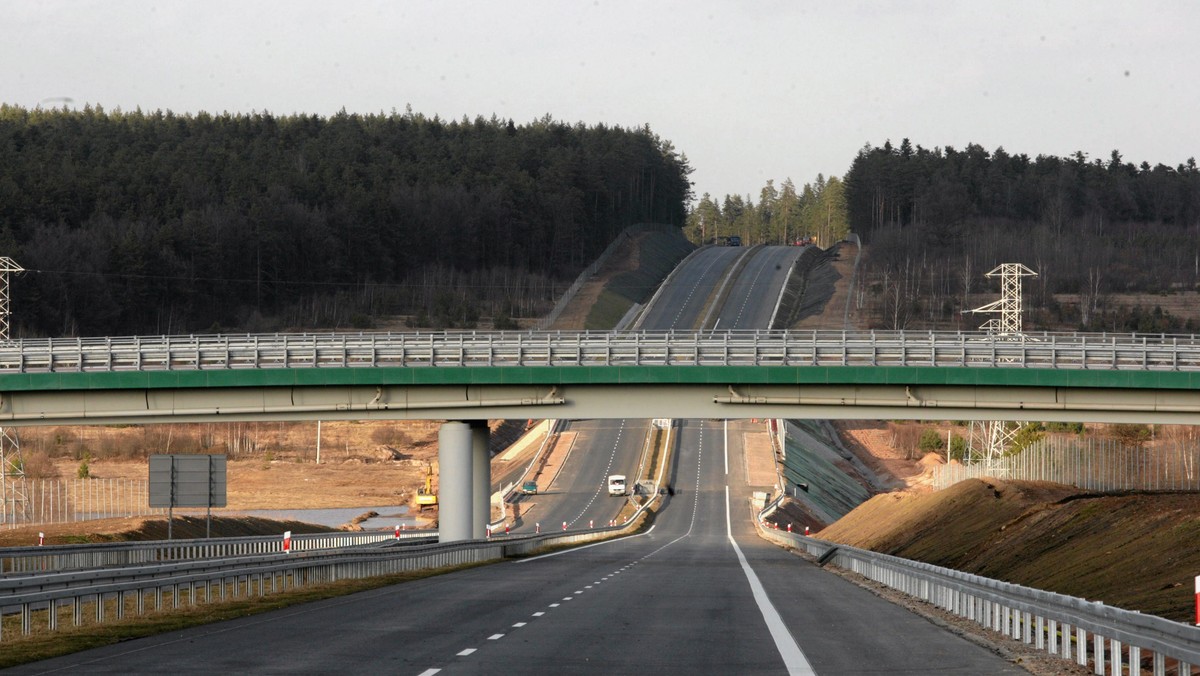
(633, 400)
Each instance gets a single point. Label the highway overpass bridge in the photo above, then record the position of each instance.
(678, 374)
(469, 377)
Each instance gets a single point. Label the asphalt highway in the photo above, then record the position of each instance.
(579, 494)
(682, 302)
(752, 296)
(700, 593)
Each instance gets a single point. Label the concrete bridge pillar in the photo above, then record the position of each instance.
(454, 482)
(481, 479)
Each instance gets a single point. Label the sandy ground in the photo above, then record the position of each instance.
(871, 442)
(760, 459)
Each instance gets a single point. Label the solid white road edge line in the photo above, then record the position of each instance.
(575, 549)
(793, 658)
(429, 672)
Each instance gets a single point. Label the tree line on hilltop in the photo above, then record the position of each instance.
(782, 215)
(133, 222)
(935, 220)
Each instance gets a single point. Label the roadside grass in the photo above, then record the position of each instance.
(42, 643)
(610, 307)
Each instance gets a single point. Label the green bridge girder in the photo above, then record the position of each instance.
(603, 375)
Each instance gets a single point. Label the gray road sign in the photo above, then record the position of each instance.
(187, 481)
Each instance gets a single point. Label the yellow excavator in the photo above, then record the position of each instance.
(425, 495)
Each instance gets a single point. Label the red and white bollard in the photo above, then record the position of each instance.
(397, 531)
(537, 528)
(287, 541)
(789, 527)
(564, 525)
(806, 531)
(506, 529)
(489, 532)
(591, 523)
(1198, 600)
(42, 541)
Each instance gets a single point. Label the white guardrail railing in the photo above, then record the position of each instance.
(59, 558)
(1069, 627)
(642, 348)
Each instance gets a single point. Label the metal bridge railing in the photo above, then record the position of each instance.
(1159, 352)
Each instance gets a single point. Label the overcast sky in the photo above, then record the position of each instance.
(748, 90)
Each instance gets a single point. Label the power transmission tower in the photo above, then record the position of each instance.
(14, 495)
(990, 438)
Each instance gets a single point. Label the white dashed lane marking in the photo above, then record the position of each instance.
(541, 613)
(604, 479)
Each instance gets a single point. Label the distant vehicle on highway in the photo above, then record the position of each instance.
(529, 488)
(616, 484)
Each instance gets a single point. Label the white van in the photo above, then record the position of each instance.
(616, 484)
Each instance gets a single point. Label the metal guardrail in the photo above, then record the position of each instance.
(111, 592)
(1062, 625)
(59, 558)
(115, 589)
(1159, 352)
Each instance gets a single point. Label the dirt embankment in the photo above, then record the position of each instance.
(1134, 551)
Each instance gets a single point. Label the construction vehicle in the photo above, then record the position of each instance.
(425, 495)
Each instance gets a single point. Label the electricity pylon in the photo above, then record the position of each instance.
(14, 498)
(991, 438)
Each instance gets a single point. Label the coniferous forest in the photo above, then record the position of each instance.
(132, 222)
(934, 221)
